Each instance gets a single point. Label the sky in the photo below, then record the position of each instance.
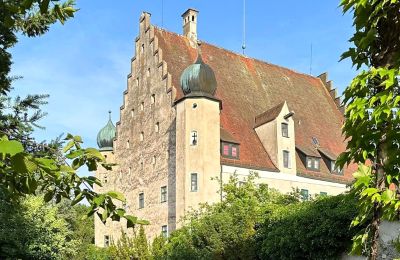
(83, 64)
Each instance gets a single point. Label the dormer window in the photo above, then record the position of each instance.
(335, 169)
(230, 150)
(313, 163)
(285, 129)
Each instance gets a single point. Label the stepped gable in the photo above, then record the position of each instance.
(249, 87)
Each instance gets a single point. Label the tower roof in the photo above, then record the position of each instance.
(198, 79)
(106, 136)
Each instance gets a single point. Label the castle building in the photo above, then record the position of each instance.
(193, 112)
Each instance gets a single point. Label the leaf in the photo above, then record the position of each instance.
(116, 195)
(77, 199)
(387, 196)
(130, 221)
(99, 200)
(48, 196)
(10, 147)
(69, 145)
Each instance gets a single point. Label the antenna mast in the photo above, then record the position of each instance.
(244, 26)
(162, 13)
(311, 59)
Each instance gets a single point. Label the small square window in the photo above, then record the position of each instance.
(285, 130)
(164, 231)
(304, 194)
(141, 200)
(286, 159)
(163, 194)
(193, 182)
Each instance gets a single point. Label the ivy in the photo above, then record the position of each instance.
(372, 125)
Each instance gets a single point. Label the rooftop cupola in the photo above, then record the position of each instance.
(106, 136)
(190, 24)
(198, 79)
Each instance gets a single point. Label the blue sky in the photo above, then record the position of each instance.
(83, 65)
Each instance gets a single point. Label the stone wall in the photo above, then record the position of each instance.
(145, 141)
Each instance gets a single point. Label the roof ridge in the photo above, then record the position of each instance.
(240, 55)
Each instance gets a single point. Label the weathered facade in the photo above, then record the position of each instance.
(193, 111)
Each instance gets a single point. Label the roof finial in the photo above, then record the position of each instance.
(199, 58)
(109, 114)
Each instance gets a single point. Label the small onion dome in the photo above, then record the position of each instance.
(198, 79)
(106, 136)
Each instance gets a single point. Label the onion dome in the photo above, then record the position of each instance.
(106, 136)
(198, 79)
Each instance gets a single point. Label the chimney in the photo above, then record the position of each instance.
(190, 24)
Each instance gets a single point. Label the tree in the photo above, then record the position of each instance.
(225, 230)
(31, 229)
(28, 167)
(128, 248)
(373, 117)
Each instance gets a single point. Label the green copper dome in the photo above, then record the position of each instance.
(106, 136)
(198, 79)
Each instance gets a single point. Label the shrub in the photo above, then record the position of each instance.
(225, 230)
(311, 230)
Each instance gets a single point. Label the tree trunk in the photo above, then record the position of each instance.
(380, 184)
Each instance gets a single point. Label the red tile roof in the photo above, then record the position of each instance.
(249, 87)
(268, 115)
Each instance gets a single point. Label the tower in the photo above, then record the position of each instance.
(190, 24)
(197, 139)
(105, 140)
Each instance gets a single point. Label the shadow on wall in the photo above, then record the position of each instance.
(172, 176)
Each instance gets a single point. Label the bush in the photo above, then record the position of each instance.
(311, 230)
(225, 230)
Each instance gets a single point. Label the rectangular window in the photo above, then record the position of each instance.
(106, 241)
(226, 149)
(285, 130)
(316, 163)
(309, 162)
(304, 194)
(164, 231)
(286, 159)
(234, 151)
(230, 150)
(141, 200)
(193, 182)
(164, 194)
(313, 163)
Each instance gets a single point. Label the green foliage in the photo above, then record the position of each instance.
(127, 248)
(225, 230)
(373, 115)
(32, 229)
(22, 173)
(310, 230)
